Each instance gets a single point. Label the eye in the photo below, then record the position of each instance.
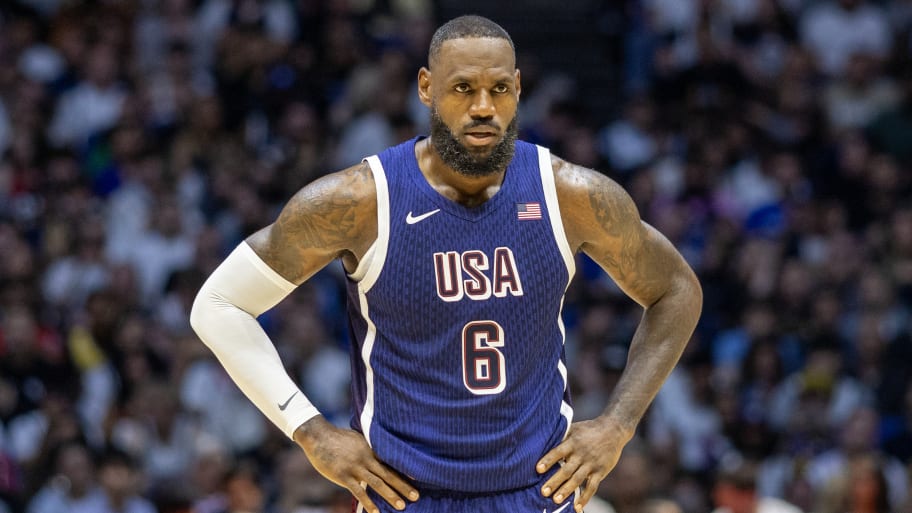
(501, 88)
(462, 88)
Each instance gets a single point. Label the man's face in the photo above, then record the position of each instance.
(473, 90)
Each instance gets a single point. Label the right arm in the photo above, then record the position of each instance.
(333, 217)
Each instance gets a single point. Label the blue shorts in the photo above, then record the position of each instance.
(525, 500)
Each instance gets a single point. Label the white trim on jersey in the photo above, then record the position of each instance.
(364, 264)
(371, 263)
(557, 224)
(560, 237)
(367, 273)
(367, 414)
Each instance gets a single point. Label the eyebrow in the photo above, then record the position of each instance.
(456, 79)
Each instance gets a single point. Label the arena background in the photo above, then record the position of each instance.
(141, 140)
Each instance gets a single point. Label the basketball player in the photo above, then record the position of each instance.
(458, 248)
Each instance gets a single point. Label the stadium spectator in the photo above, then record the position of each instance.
(770, 139)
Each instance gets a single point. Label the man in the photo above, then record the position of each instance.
(459, 248)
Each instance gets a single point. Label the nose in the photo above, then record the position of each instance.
(482, 106)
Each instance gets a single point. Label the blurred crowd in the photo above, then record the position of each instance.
(142, 140)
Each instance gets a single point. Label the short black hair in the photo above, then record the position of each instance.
(468, 26)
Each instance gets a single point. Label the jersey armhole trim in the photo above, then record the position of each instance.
(554, 213)
(371, 263)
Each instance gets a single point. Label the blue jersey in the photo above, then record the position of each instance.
(458, 378)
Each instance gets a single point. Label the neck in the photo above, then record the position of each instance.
(467, 190)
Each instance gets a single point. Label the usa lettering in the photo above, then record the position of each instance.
(471, 274)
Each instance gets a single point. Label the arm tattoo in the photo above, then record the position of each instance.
(325, 218)
(648, 268)
(632, 259)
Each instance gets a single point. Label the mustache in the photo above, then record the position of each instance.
(460, 158)
(482, 122)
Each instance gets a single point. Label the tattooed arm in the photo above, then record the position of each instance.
(601, 220)
(333, 217)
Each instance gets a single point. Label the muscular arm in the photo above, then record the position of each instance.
(333, 217)
(324, 220)
(604, 223)
(601, 220)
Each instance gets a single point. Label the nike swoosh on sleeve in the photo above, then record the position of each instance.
(285, 404)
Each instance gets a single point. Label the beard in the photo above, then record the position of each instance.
(467, 161)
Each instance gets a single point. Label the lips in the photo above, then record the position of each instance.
(480, 137)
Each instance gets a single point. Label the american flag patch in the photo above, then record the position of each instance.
(528, 211)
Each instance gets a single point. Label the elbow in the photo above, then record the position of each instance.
(692, 284)
(200, 312)
(693, 291)
(212, 314)
(686, 292)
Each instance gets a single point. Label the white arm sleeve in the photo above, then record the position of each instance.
(224, 316)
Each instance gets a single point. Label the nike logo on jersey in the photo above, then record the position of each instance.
(558, 510)
(414, 219)
(285, 404)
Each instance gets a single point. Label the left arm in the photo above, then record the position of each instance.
(601, 220)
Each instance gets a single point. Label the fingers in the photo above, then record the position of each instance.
(559, 455)
(387, 484)
(345, 458)
(566, 480)
(384, 491)
(394, 480)
(360, 492)
(554, 455)
(586, 495)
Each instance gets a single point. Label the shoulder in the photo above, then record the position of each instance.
(345, 200)
(355, 183)
(572, 177)
(577, 182)
(591, 203)
(332, 217)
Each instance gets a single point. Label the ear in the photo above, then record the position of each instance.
(424, 86)
(517, 83)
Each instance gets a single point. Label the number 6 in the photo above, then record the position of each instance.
(484, 371)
